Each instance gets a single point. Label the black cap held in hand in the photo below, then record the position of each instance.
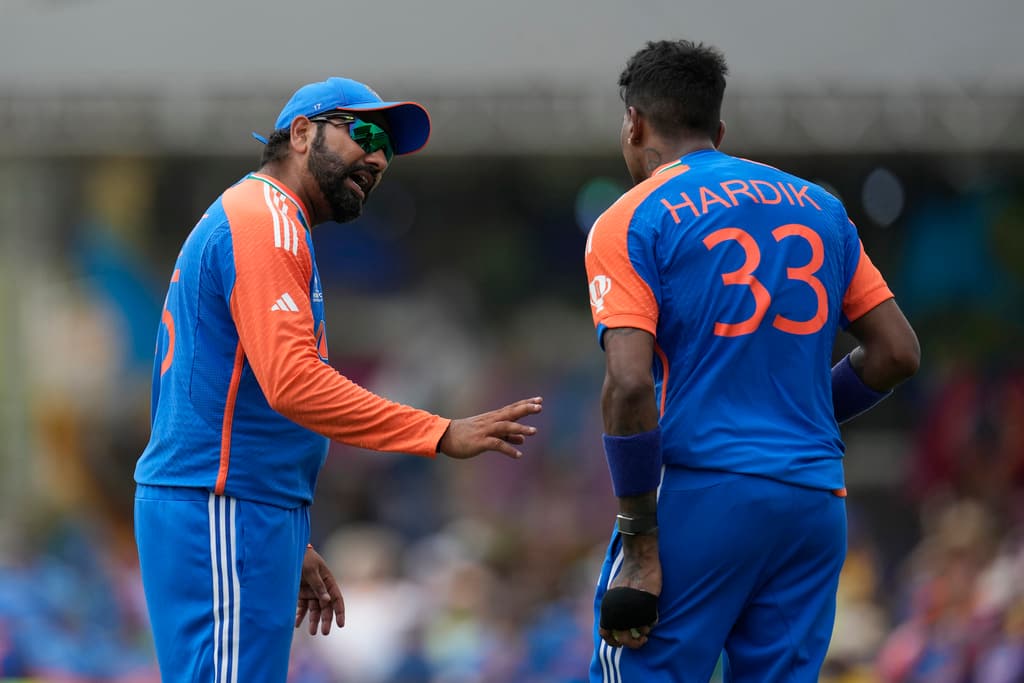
(625, 608)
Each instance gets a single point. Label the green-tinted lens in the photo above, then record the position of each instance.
(371, 137)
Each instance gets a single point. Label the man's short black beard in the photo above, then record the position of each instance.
(330, 173)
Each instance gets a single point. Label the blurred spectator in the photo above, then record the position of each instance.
(971, 437)
(964, 593)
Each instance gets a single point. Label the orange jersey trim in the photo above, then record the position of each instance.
(664, 378)
(619, 297)
(229, 416)
(867, 289)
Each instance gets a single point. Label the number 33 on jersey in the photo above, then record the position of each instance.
(731, 265)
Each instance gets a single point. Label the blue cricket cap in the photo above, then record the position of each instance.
(409, 121)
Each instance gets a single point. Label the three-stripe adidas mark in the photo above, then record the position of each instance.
(286, 234)
(285, 303)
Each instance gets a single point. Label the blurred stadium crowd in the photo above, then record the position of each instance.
(461, 288)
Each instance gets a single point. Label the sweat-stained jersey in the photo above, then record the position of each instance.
(244, 400)
(743, 274)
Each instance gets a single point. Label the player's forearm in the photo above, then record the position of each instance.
(321, 399)
(882, 369)
(627, 397)
(638, 529)
(889, 351)
(628, 406)
(641, 551)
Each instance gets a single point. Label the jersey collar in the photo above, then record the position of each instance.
(665, 167)
(276, 184)
(680, 161)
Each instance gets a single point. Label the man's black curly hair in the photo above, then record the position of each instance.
(277, 146)
(677, 85)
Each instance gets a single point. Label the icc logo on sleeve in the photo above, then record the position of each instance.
(599, 288)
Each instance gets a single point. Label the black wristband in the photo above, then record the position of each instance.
(637, 525)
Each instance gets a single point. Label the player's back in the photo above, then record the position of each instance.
(747, 267)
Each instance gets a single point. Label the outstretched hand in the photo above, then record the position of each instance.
(319, 595)
(499, 430)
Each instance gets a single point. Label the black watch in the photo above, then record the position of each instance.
(637, 525)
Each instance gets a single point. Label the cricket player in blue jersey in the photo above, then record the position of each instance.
(245, 401)
(718, 286)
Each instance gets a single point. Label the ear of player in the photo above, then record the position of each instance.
(625, 608)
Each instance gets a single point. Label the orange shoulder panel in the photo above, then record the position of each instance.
(867, 288)
(619, 297)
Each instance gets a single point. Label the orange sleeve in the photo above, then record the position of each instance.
(620, 293)
(272, 262)
(867, 288)
(619, 296)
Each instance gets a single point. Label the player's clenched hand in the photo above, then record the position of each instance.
(628, 616)
(498, 430)
(319, 595)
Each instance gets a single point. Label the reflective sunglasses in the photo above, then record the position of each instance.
(369, 136)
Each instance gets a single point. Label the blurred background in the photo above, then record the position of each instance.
(462, 288)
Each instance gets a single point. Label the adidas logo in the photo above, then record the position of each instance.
(285, 303)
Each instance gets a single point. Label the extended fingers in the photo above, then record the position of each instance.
(506, 429)
(503, 434)
(520, 409)
(339, 613)
(332, 611)
(319, 598)
(319, 588)
(337, 602)
(314, 616)
(330, 604)
(306, 598)
(512, 432)
(499, 445)
(326, 618)
(498, 430)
